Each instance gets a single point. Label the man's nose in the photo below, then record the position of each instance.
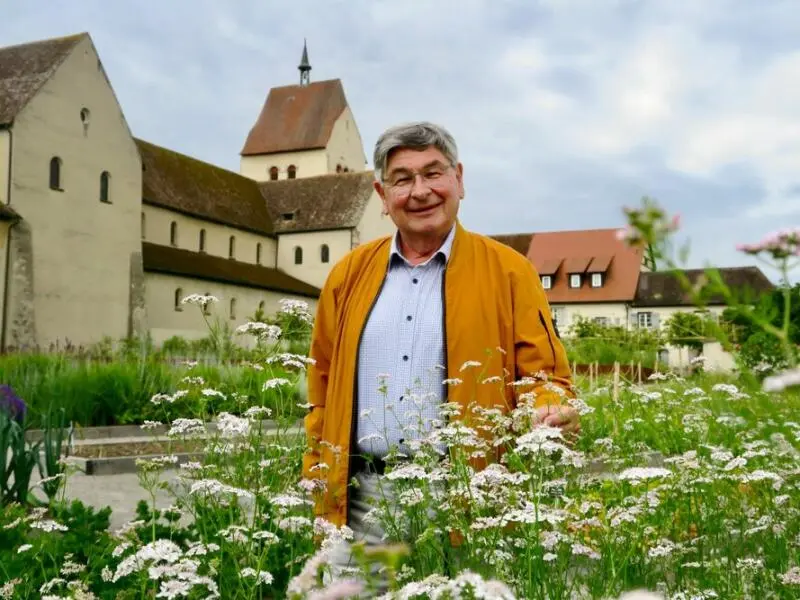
(419, 189)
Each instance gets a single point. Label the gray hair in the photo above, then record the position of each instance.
(417, 136)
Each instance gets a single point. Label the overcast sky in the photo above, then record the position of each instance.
(564, 110)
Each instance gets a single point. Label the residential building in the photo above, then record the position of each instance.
(102, 233)
(593, 275)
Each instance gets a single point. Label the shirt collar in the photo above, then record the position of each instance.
(444, 249)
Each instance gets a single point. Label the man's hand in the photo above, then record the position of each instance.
(565, 417)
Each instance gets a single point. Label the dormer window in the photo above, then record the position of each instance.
(597, 280)
(547, 281)
(575, 280)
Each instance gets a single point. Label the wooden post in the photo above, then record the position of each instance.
(631, 372)
(615, 393)
(639, 372)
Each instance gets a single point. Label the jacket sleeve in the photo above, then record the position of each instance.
(538, 350)
(321, 351)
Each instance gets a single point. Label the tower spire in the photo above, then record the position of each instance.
(305, 66)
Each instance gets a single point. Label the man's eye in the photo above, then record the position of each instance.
(432, 174)
(401, 180)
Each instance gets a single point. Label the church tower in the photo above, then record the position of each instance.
(303, 130)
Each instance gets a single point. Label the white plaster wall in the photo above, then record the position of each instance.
(187, 321)
(5, 152)
(313, 270)
(81, 247)
(568, 314)
(373, 224)
(157, 230)
(345, 147)
(308, 162)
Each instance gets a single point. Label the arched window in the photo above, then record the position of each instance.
(338, 168)
(178, 298)
(233, 308)
(273, 173)
(173, 233)
(291, 172)
(324, 253)
(104, 181)
(345, 170)
(144, 221)
(298, 255)
(232, 247)
(258, 253)
(55, 173)
(202, 240)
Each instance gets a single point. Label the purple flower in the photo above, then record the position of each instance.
(12, 404)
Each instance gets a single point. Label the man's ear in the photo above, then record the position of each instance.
(460, 179)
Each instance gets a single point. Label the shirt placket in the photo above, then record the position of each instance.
(408, 316)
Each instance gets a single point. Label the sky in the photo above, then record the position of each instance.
(564, 111)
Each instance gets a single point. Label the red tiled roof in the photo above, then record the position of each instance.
(592, 249)
(25, 68)
(296, 117)
(518, 241)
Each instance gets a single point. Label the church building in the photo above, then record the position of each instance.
(102, 234)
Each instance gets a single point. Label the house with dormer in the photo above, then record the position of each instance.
(591, 274)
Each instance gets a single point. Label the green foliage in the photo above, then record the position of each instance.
(18, 459)
(687, 330)
(592, 342)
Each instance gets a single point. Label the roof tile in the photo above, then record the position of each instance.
(333, 201)
(662, 288)
(184, 184)
(176, 261)
(577, 249)
(25, 68)
(296, 117)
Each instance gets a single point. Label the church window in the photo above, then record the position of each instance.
(232, 247)
(258, 253)
(298, 255)
(173, 233)
(338, 168)
(144, 221)
(55, 174)
(291, 172)
(178, 298)
(273, 173)
(325, 253)
(233, 308)
(202, 240)
(105, 178)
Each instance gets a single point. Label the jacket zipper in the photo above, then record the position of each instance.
(549, 338)
(355, 398)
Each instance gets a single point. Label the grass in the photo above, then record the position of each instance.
(98, 393)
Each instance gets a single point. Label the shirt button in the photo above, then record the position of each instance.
(405, 357)
(415, 280)
(408, 318)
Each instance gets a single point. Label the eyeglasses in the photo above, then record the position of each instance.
(432, 177)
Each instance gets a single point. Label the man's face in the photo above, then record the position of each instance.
(421, 191)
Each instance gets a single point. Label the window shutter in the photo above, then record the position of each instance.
(654, 319)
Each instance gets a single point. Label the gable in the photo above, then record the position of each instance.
(25, 68)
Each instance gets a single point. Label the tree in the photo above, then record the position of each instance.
(686, 329)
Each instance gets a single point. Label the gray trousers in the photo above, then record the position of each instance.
(366, 530)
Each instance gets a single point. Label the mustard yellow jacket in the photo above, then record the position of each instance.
(496, 313)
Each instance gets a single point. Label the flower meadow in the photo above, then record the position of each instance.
(679, 487)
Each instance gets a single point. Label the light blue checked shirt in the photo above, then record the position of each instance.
(401, 358)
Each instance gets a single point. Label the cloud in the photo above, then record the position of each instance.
(564, 110)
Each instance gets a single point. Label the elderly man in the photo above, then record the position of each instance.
(407, 312)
